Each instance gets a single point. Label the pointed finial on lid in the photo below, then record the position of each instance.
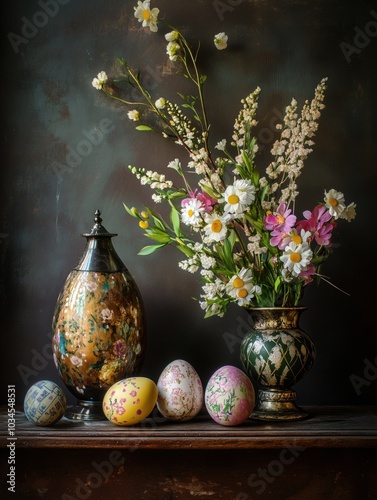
(98, 230)
(97, 217)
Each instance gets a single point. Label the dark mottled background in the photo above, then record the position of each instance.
(49, 58)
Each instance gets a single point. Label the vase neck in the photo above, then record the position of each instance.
(267, 318)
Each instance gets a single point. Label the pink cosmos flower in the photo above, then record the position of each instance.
(279, 239)
(308, 273)
(280, 222)
(318, 223)
(205, 199)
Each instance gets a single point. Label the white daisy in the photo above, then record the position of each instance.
(238, 197)
(303, 237)
(191, 212)
(215, 228)
(335, 203)
(296, 257)
(241, 287)
(146, 15)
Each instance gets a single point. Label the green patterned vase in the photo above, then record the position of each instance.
(277, 354)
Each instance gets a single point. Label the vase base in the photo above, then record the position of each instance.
(277, 405)
(85, 410)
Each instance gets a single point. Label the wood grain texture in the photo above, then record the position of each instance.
(331, 455)
(313, 474)
(50, 185)
(336, 427)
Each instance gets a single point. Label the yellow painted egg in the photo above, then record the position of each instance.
(130, 400)
(229, 396)
(180, 391)
(44, 403)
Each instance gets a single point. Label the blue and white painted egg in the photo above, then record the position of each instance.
(44, 403)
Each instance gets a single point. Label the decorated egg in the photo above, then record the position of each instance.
(44, 403)
(229, 396)
(130, 400)
(180, 391)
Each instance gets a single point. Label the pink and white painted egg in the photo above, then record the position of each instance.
(180, 391)
(229, 396)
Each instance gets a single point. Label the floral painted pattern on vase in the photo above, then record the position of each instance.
(98, 330)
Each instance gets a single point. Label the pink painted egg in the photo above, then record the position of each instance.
(229, 396)
(130, 400)
(180, 391)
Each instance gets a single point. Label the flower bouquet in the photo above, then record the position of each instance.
(234, 224)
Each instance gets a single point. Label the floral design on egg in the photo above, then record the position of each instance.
(180, 391)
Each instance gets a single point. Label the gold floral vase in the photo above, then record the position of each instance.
(99, 331)
(277, 354)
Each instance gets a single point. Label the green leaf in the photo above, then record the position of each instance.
(209, 191)
(177, 194)
(130, 211)
(150, 249)
(158, 235)
(159, 223)
(263, 193)
(187, 251)
(158, 220)
(144, 128)
(175, 220)
(246, 160)
(232, 238)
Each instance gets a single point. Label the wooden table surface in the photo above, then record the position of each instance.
(326, 427)
(331, 455)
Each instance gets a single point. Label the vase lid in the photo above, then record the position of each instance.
(99, 255)
(98, 231)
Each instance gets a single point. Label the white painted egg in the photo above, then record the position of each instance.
(180, 391)
(44, 403)
(229, 396)
(130, 400)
